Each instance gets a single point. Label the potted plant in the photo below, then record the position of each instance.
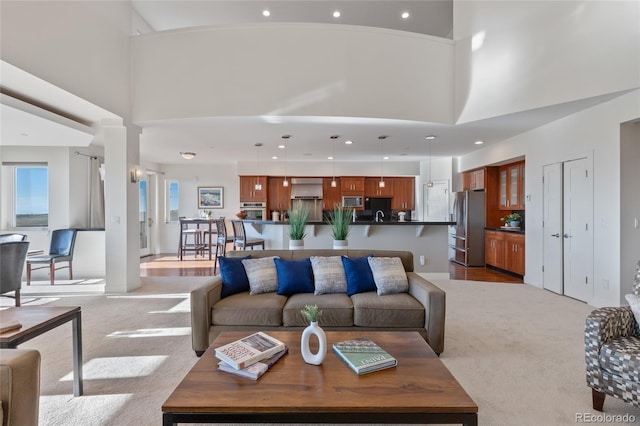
(312, 313)
(298, 219)
(512, 219)
(339, 219)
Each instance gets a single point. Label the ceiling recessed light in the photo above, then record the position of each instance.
(266, 12)
(329, 158)
(188, 155)
(430, 137)
(385, 158)
(348, 142)
(274, 157)
(479, 142)
(405, 15)
(336, 14)
(281, 146)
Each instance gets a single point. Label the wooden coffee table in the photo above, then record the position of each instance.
(419, 390)
(36, 320)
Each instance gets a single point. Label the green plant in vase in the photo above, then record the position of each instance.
(340, 220)
(311, 312)
(512, 220)
(298, 218)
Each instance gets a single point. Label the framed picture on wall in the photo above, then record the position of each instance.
(210, 197)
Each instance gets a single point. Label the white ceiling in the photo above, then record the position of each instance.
(228, 139)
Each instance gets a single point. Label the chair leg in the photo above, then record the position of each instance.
(215, 260)
(70, 270)
(597, 399)
(52, 271)
(28, 274)
(18, 297)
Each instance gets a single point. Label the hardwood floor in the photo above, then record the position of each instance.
(168, 265)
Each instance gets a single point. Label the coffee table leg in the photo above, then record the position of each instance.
(77, 355)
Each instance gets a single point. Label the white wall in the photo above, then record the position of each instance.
(630, 206)
(540, 53)
(293, 69)
(596, 133)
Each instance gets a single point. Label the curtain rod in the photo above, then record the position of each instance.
(93, 157)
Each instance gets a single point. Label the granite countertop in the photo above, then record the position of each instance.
(356, 223)
(511, 230)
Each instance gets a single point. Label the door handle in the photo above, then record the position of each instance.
(567, 236)
(556, 235)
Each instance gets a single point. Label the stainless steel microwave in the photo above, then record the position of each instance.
(352, 201)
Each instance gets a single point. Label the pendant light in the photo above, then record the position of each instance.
(430, 138)
(334, 183)
(285, 182)
(381, 184)
(258, 186)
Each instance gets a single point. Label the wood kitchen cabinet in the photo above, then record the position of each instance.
(511, 185)
(248, 193)
(352, 185)
(403, 193)
(279, 196)
(505, 250)
(473, 180)
(331, 195)
(372, 187)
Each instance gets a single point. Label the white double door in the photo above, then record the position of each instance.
(568, 228)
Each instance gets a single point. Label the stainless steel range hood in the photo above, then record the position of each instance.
(306, 188)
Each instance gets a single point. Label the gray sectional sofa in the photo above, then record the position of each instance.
(420, 309)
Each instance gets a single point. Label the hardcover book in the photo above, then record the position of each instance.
(363, 355)
(249, 350)
(254, 371)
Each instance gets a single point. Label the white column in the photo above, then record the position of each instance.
(122, 228)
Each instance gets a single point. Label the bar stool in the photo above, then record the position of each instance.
(222, 240)
(240, 239)
(185, 233)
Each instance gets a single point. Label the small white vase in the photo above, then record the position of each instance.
(307, 355)
(296, 244)
(340, 244)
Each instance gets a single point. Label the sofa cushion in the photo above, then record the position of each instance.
(294, 276)
(328, 274)
(621, 357)
(389, 275)
(243, 309)
(262, 274)
(234, 277)
(358, 274)
(393, 310)
(337, 309)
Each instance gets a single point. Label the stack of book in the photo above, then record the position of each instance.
(250, 356)
(363, 355)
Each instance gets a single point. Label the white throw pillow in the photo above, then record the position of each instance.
(634, 303)
(389, 275)
(328, 274)
(262, 274)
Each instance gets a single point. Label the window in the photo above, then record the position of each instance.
(171, 201)
(31, 196)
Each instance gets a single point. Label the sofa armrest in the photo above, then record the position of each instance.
(20, 386)
(601, 326)
(434, 301)
(202, 300)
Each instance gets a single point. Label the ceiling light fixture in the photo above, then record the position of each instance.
(430, 138)
(266, 12)
(405, 15)
(285, 182)
(478, 142)
(258, 185)
(188, 155)
(334, 182)
(381, 184)
(336, 14)
(348, 142)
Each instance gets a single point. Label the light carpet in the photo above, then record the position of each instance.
(517, 350)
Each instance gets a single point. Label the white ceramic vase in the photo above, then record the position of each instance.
(296, 244)
(340, 244)
(307, 355)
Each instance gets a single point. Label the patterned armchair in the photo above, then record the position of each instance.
(612, 354)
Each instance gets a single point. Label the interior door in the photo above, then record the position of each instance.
(435, 206)
(552, 275)
(144, 217)
(578, 229)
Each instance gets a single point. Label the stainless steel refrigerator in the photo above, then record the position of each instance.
(466, 237)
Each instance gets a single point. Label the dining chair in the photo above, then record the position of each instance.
(5, 238)
(221, 241)
(60, 250)
(12, 256)
(185, 232)
(240, 239)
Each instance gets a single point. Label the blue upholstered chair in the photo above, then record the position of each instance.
(12, 256)
(60, 250)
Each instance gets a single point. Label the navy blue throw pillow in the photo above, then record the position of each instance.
(294, 276)
(234, 277)
(359, 275)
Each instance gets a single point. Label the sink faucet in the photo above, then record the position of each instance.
(381, 213)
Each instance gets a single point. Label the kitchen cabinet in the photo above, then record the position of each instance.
(403, 193)
(505, 250)
(352, 185)
(331, 195)
(372, 187)
(473, 180)
(279, 196)
(248, 192)
(511, 185)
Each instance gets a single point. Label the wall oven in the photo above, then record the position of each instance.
(255, 211)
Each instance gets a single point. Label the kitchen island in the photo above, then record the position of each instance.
(426, 240)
